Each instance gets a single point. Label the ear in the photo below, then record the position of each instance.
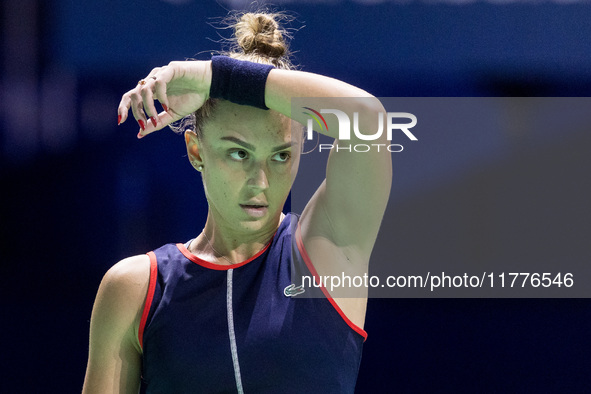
(192, 143)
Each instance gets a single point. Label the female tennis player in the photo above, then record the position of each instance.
(221, 313)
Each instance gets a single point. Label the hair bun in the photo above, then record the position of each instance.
(260, 34)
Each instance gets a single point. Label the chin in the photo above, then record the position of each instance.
(254, 223)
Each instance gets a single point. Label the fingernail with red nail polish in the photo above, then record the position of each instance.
(154, 121)
(165, 107)
(142, 126)
(118, 120)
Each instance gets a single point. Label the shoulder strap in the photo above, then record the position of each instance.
(149, 296)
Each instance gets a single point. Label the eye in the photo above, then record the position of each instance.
(239, 154)
(281, 156)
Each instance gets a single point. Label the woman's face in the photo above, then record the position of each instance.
(250, 161)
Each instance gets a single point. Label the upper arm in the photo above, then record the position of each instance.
(349, 205)
(114, 362)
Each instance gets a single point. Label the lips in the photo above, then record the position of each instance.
(254, 209)
(255, 204)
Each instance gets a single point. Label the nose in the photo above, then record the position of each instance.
(258, 179)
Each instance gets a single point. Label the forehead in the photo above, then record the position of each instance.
(248, 123)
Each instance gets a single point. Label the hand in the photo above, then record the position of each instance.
(180, 87)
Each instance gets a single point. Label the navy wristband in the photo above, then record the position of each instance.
(238, 81)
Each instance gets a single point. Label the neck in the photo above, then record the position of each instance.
(227, 245)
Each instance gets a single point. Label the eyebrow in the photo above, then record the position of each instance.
(252, 147)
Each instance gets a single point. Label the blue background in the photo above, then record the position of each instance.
(79, 193)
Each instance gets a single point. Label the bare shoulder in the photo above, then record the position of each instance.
(128, 276)
(122, 294)
(114, 360)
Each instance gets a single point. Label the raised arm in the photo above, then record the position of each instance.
(114, 362)
(348, 207)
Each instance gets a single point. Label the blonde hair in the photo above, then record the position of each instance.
(258, 38)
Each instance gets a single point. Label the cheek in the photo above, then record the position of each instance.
(228, 181)
(284, 180)
(222, 182)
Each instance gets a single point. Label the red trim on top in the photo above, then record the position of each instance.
(219, 267)
(308, 262)
(149, 297)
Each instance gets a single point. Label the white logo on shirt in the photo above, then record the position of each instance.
(293, 290)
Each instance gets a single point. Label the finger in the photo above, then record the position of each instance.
(153, 72)
(163, 77)
(137, 107)
(160, 93)
(127, 102)
(123, 109)
(148, 100)
(164, 119)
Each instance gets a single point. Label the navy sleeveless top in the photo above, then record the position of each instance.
(244, 328)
